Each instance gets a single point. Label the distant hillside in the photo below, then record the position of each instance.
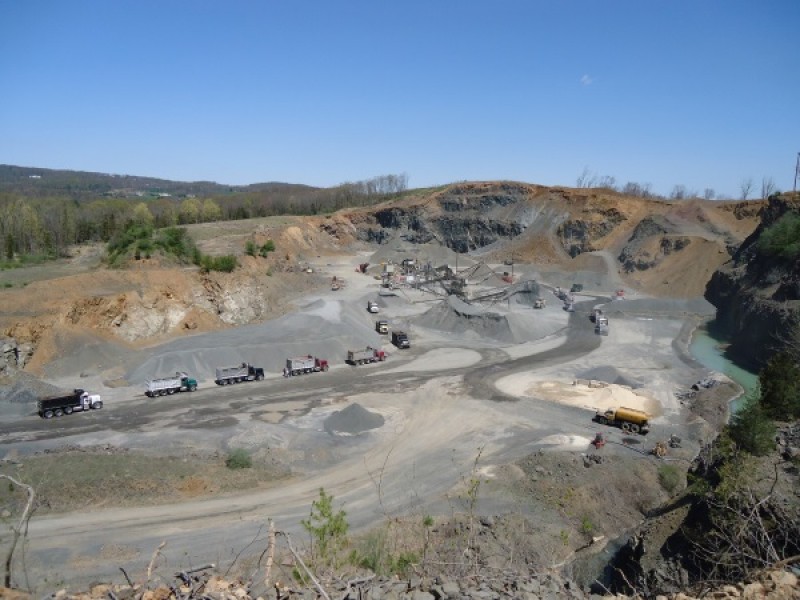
(85, 185)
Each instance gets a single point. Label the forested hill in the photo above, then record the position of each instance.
(84, 185)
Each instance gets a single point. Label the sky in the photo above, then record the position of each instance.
(699, 93)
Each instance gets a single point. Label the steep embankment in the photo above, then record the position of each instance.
(660, 247)
(757, 293)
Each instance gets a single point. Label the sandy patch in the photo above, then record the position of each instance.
(602, 397)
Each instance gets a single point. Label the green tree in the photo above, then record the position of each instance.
(751, 427)
(190, 211)
(326, 527)
(780, 387)
(9, 246)
(142, 214)
(210, 211)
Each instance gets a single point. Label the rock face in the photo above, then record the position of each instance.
(758, 295)
(13, 356)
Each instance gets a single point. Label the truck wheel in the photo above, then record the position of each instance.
(626, 427)
(602, 420)
(97, 405)
(58, 412)
(192, 388)
(634, 428)
(48, 414)
(259, 377)
(170, 391)
(325, 368)
(67, 410)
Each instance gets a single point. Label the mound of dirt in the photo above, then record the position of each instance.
(352, 420)
(20, 392)
(454, 316)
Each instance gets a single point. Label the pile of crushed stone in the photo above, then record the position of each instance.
(456, 317)
(19, 393)
(352, 420)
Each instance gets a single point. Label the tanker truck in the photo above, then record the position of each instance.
(629, 419)
(368, 355)
(243, 372)
(181, 382)
(66, 404)
(305, 364)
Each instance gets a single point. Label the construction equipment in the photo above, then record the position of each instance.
(599, 441)
(576, 287)
(181, 382)
(362, 268)
(243, 372)
(629, 419)
(382, 327)
(400, 339)
(539, 303)
(305, 364)
(66, 404)
(368, 355)
(660, 449)
(335, 284)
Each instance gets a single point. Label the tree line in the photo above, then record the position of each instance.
(49, 225)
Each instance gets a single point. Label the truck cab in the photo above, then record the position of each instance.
(400, 339)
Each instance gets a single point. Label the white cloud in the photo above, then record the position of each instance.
(586, 80)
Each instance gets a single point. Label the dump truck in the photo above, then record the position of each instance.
(382, 327)
(180, 382)
(601, 325)
(305, 364)
(372, 306)
(539, 303)
(368, 355)
(65, 404)
(629, 419)
(243, 372)
(400, 339)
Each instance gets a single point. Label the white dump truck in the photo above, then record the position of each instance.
(372, 306)
(368, 355)
(305, 364)
(237, 374)
(181, 382)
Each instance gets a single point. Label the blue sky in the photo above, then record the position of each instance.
(703, 93)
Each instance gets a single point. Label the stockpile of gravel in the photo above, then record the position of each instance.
(325, 328)
(19, 395)
(456, 317)
(352, 420)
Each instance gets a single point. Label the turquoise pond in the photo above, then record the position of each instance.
(708, 351)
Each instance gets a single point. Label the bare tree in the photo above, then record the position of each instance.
(746, 187)
(637, 189)
(678, 192)
(607, 181)
(767, 187)
(708, 193)
(586, 179)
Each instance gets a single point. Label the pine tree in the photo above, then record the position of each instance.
(780, 387)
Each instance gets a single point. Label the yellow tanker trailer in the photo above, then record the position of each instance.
(629, 419)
